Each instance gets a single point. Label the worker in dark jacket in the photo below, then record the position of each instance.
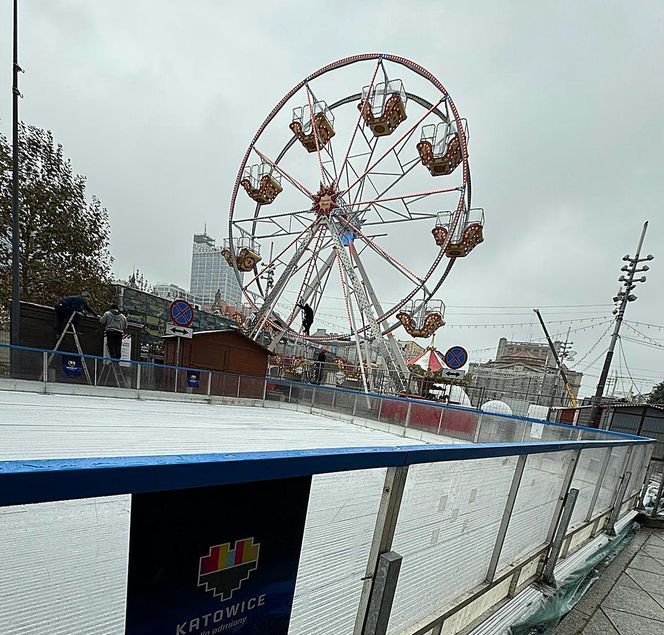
(71, 305)
(307, 317)
(115, 324)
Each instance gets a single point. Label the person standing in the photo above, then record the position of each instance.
(71, 305)
(307, 318)
(115, 324)
(320, 365)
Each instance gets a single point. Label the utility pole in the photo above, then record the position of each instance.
(559, 365)
(623, 297)
(16, 270)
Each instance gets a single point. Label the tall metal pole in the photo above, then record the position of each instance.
(559, 365)
(628, 285)
(16, 272)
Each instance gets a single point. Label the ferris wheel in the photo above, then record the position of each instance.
(352, 202)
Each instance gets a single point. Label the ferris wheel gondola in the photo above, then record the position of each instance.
(336, 222)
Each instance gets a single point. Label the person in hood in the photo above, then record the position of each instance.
(115, 324)
(71, 305)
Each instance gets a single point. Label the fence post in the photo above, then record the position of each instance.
(265, 389)
(380, 407)
(355, 405)
(95, 372)
(646, 482)
(608, 525)
(313, 398)
(567, 483)
(290, 392)
(45, 366)
(176, 378)
(386, 522)
(238, 386)
(138, 376)
(407, 421)
(554, 552)
(615, 512)
(600, 481)
(440, 420)
(507, 515)
(385, 585)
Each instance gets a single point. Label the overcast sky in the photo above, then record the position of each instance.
(155, 102)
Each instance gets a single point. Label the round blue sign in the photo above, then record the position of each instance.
(182, 313)
(456, 357)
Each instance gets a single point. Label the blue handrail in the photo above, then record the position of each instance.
(35, 481)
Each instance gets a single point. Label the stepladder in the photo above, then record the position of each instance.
(69, 329)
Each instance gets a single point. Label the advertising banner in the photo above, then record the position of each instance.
(215, 560)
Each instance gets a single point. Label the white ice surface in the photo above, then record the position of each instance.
(63, 565)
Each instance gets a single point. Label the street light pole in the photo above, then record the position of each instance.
(623, 297)
(16, 271)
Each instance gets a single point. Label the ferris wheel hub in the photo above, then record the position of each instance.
(325, 200)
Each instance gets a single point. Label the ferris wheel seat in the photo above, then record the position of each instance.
(444, 163)
(472, 236)
(439, 234)
(268, 189)
(306, 134)
(431, 323)
(388, 118)
(247, 259)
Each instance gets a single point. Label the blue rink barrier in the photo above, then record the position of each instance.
(488, 515)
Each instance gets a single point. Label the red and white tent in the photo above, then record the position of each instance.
(430, 361)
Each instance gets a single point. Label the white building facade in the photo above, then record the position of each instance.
(211, 273)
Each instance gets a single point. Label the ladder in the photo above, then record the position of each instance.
(71, 330)
(106, 371)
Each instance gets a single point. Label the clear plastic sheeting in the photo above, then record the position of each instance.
(586, 476)
(64, 567)
(611, 479)
(337, 537)
(449, 511)
(541, 485)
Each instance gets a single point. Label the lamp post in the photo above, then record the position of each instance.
(16, 280)
(622, 298)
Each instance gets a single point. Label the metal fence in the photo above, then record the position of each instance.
(472, 519)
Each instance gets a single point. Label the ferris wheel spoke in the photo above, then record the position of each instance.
(416, 195)
(277, 258)
(357, 125)
(386, 255)
(398, 141)
(275, 166)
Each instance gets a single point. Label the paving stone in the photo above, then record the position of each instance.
(633, 601)
(627, 624)
(656, 540)
(644, 562)
(659, 598)
(599, 625)
(625, 580)
(655, 552)
(650, 582)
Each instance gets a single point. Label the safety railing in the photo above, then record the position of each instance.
(398, 540)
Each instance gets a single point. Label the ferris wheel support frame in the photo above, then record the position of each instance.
(366, 309)
(391, 340)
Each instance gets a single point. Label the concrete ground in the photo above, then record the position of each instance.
(628, 599)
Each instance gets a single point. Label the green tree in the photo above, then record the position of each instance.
(657, 394)
(64, 236)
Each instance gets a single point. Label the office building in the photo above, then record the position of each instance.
(211, 273)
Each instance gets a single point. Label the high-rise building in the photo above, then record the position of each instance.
(211, 273)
